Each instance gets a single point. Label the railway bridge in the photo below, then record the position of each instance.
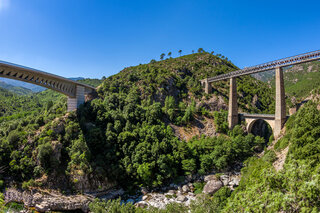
(277, 120)
(75, 91)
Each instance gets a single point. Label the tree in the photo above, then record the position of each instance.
(44, 155)
(189, 166)
(1, 202)
(180, 51)
(192, 51)
(170, 107)
(200, 50)
(169, 54)
(162, 56)
(49, 105)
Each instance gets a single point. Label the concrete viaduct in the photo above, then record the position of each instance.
(75, 91)
(277, 120)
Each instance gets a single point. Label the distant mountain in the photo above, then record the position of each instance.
(15, 83)
(24, 88)
(77, 78)
(15, 89)
(299, 80)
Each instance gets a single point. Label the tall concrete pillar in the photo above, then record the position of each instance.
(280, 114)
(74, 103)
(233, 105)
(208, 87)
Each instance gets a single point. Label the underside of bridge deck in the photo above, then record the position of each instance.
(75, 91)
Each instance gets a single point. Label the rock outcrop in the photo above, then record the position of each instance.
(212, 186)
(44, 202)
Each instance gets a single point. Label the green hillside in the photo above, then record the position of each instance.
(294, 188)
(299, 80)
(125, 136)
(131, 114)
(14, 89)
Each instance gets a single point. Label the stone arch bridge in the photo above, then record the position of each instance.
(277, 120)
(75, 91)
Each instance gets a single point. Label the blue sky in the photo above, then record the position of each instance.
(95, 38)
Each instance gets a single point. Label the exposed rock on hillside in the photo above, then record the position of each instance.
(44, 202)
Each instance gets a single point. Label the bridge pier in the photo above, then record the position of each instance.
(207, 86)
(280, 113)
(74, 102)
(233, 105)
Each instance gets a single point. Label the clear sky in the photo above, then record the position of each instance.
(95, 38)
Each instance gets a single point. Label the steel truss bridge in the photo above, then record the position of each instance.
(298, 59)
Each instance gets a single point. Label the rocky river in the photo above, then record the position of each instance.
(185, 192)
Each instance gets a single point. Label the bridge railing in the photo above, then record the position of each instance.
(247, 115)
(311, 56)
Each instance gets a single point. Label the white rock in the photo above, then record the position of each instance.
(210, 177)
(224, 179)
(212, 186)
(141, 204)
(191, 194)
(185, 189)
(171, 192)
(144, 190)
(235, 180)
(182, 198)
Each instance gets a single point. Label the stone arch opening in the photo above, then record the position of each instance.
(261, 128)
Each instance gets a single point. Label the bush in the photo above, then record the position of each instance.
(45, 155)
(270, 156)
(111, 206)
(198, 187)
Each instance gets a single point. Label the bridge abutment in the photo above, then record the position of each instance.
(74, 103)
(280, 113)
(233, 105)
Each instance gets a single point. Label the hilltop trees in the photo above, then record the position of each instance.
(162, 56)
(200, 50)
(180, 51)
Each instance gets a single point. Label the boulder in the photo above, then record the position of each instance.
(145, 197)
(191, 194)
(185, 189)
(182, 198)
(212, 186)
(224, 179)
(207, 178)
(235, 180)
(171, 192)
(144, 190)
(141, 204)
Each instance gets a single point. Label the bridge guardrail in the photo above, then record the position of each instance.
(302, 58)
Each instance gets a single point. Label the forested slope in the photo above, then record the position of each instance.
(124, 137)
(300, 80)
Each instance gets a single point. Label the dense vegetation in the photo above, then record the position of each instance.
(126, 133)
(295, 188)
(299, 80)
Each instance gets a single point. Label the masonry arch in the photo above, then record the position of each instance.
(261, 127)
